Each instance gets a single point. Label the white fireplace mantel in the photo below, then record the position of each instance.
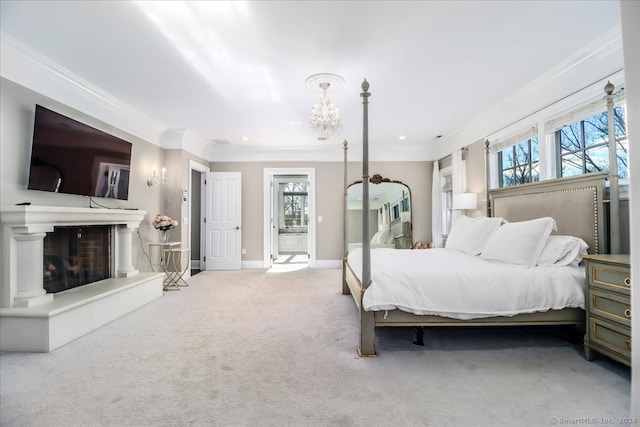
(33, 217)
(28, 310)
(24, 228)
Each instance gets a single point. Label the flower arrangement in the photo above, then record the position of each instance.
(164, 223)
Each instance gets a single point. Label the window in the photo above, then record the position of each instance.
(519, 164)
(583, 147)
(446, 181)
(296, 204)
(395, 213)
(405, 203)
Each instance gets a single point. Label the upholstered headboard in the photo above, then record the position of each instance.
(576, 203)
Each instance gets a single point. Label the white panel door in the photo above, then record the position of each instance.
(223, 194)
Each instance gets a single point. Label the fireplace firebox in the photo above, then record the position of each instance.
(76, 256)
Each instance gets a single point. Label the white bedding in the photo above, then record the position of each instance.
(452, 284)
(353, 246)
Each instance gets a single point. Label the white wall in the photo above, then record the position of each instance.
(630, 14)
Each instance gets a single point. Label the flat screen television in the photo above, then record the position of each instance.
(71, 157)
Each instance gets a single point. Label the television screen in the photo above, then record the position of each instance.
(70, 157)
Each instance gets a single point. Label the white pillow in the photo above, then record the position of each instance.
(376, 237)
(574, 257)
(453, 239)
(390, 238)
(519, 242)
(382, 237)
(474, 235)
(562, 250)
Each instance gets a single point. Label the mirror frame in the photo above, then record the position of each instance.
(405, 239)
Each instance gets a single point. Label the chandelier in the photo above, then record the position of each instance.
(325, 116)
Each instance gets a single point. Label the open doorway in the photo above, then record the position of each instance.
(193, 198)
(289, 219)
(290, 243)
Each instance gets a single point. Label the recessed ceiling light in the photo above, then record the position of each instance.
(245, 138)
(402, 137)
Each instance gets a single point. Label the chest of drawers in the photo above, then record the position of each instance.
(608, 322)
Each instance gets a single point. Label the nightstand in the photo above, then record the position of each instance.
(402, 241)
(608, 307)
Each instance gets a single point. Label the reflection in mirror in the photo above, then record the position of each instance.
(389, 214)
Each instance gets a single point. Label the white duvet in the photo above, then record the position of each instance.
(451, 284)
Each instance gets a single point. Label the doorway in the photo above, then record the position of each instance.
(290, 242)
(289, 218)
(194, 199)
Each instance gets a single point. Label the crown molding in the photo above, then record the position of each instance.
(29, 68)
(186, 140)
(570, 83)
(596, 61)
(329, 153)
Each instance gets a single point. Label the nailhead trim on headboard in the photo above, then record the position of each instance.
(591, 188)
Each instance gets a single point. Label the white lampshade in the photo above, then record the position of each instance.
(465, 201)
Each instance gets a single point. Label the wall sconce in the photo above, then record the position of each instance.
(464, 201)
(155, 179)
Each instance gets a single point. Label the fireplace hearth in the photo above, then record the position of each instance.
(67, 271)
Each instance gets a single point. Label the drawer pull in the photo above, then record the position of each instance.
(627, 281)
(627, 312)
(628, 344)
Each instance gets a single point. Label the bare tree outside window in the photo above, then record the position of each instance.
(520, 163)
(584, 146)
(296, 204)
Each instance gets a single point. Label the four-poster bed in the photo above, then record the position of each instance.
(576, 205)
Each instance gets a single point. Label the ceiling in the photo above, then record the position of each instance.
(234, 72)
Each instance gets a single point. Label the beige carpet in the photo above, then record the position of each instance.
(253, 348)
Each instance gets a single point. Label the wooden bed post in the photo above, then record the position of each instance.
(614, 197)
(345, 286)
(366, 243)
(487, 176)
(367, 346)
(367, 325)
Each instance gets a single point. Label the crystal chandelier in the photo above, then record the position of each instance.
(325, 116)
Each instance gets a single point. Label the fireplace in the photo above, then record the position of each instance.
(76, 256)
(67, 271)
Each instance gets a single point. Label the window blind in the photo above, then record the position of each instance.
(598, 106)
(502, 143)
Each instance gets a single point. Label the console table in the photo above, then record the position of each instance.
(173, 261)
(156, 254)
(176, 263)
